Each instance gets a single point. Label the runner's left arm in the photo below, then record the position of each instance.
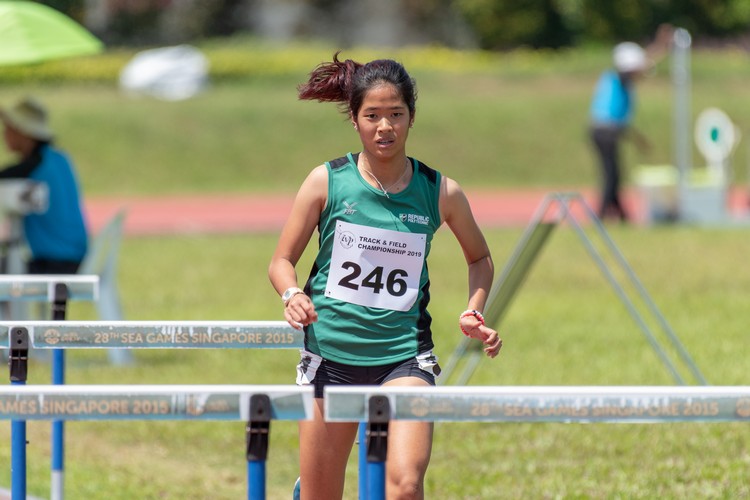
(456, 213)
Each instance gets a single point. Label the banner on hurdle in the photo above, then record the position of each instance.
(41, 288)
(154, 402)
(155, 334)
(581, 404)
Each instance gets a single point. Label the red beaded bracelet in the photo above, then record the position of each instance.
(470, 312)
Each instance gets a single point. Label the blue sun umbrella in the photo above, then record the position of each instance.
(31, 32)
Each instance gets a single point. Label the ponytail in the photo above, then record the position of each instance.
(346, 82)
(330, 82)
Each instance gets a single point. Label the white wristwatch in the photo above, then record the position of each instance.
(289, 293)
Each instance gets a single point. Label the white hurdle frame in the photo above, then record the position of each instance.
(566, 404)
(157, 334)
(56, 290)
(41, 287)
(581, 404)
(151, 402)
(255, 404)
(66, 334)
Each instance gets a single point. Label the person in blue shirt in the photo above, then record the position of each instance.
(57, 238)
(611, 115)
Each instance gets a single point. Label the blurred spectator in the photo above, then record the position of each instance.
(57, 238)
(611, 114)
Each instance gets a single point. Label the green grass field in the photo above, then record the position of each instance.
(518, 124)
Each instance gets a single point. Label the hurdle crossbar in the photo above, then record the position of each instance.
(41, 288)
(155, 334)
(580, 404)
(151, 402)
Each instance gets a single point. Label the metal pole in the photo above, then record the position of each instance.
(18, 359)
(18, 459)
(363, 461)
(682, 119)
(379, 416)
(257, 434)
(57, 487)
(18, 309)
(256, 474)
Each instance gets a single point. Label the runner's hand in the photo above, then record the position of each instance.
(300, 312)
(493, 343)
(489, 337)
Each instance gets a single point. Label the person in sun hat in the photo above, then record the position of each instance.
(58, 238)
(611, 114)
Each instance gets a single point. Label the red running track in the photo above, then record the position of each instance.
(240, 213)
(247, 213)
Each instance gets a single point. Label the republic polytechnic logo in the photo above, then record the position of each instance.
(349, 210)
(422, 220)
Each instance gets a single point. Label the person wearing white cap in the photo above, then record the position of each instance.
(611, 115)
(57, 238)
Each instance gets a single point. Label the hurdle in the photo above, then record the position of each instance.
(156, 334)
(61, 335)
(41, 287)
(564, 404)
(22, 336)
(57, 290)
(255, 404)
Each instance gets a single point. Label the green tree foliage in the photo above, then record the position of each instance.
(507, 24)
(611, 21)
(715, 18)
(639, 18)
(496, 24)
(502, 24)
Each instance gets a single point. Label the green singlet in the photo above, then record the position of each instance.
(369, 282)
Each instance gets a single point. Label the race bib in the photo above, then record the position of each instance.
(376, 267)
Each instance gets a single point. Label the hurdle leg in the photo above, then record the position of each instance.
(58, 432)
(379, 415)
(57, 486)
(363, 461)
(257, 434)
(18, 360)
(18, 460)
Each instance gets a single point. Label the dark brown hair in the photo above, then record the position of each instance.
(346, 82)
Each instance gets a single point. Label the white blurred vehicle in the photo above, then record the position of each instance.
(168, 73)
